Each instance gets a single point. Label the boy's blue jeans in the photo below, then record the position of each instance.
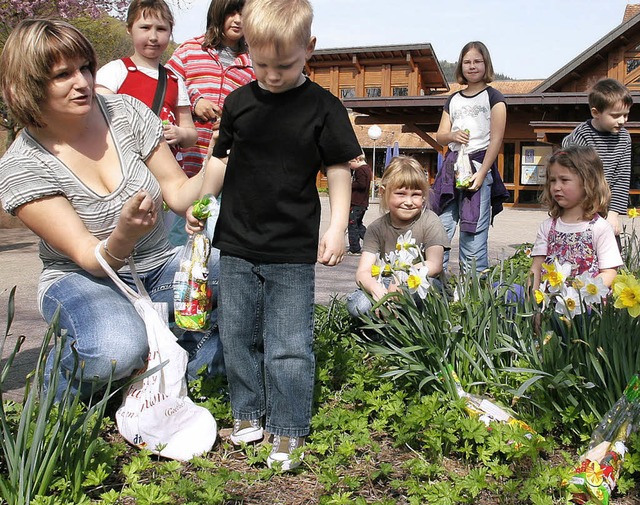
(472, 245)
(104, 327)
(266, 327)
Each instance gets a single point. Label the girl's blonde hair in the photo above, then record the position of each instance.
(30, 52)
(489, 74)
(403, 172)
(585, 163)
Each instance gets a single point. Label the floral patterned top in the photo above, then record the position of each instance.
(589, 246)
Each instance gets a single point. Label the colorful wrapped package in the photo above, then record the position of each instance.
(192, 294)
(596, 475)
(486, 410)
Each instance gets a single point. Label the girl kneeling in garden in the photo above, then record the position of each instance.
(404, 189)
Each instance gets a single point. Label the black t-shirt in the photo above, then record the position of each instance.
(276, 144)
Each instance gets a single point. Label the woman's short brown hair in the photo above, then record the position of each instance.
(29, 54)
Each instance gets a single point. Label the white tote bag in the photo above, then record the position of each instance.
(156, 413)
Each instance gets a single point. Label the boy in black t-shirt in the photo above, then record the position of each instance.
(275, 134)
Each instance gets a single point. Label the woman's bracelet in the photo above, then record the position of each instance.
(106, 249)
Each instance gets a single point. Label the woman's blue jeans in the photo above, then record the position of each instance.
(104, 327)
(472, 245)
(266, 327)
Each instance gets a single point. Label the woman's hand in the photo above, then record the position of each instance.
(138, 216)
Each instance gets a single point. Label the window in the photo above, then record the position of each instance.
(400, 91)
(347, 93)
(373, 92)
(632, 64)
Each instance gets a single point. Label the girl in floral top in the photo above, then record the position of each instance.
(576, 231)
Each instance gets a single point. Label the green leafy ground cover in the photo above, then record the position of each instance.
(386, 428)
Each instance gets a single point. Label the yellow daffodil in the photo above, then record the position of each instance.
(626, 293)
(555, 275)
(633, 212)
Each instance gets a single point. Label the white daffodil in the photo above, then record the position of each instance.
(568, 303)
(418, 281)
(592, 289)
(405, 241)
(405, 258)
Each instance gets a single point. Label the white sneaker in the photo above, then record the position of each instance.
(245, 431)
(282, 450)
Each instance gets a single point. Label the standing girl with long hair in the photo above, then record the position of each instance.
(212, 65)
(473, 123)
(576, 232)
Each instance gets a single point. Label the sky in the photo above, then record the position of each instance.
(527, 39)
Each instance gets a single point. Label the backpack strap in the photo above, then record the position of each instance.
(161, 89)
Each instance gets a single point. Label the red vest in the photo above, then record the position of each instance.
(139, 85)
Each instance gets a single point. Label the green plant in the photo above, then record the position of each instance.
(51, 444)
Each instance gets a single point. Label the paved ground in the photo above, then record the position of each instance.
(20, 266)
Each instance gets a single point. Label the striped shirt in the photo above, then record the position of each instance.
(206, 75)
(614, 150)
(29, 172)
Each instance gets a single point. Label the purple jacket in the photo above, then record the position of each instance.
(445, 191)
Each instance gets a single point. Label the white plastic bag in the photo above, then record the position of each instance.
(156, 413)
(462, 168)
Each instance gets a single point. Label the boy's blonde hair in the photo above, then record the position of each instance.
(585, 163)
(489, 74)
(279, 24)
(30, 52)
(149, 8)
(607, 93)
(403, 172)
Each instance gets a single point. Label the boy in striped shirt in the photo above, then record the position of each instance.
(609, 102)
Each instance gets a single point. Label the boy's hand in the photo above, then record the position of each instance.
(331, 248)
(192, 225)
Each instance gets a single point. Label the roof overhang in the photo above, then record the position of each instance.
(395, 110)
(420, 57)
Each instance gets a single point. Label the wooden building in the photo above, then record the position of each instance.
(380, 72)
(404, 86)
